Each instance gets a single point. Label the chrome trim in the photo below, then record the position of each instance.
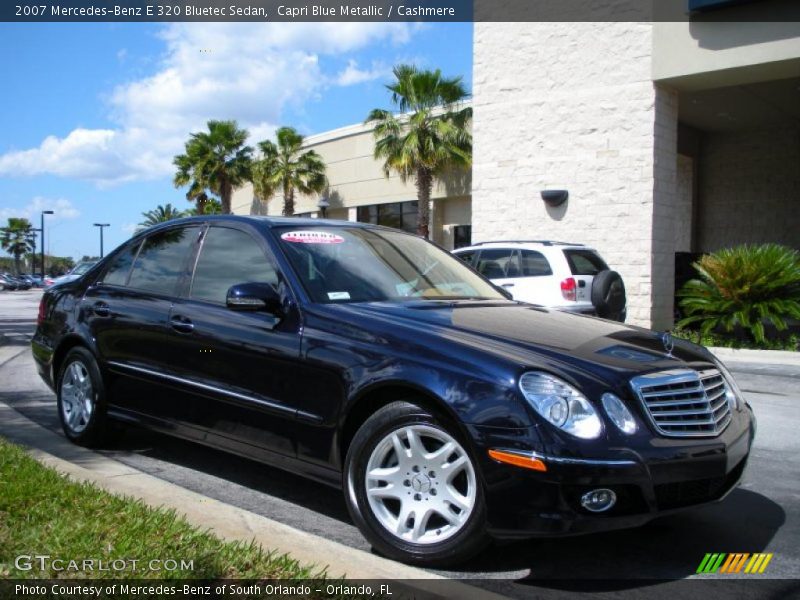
(211, 388)
(596, 462)
(705, 397)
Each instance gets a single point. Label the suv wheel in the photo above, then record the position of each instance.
(413, 488)
(608, 295)
(81, 398)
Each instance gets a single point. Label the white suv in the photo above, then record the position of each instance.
(557, 275)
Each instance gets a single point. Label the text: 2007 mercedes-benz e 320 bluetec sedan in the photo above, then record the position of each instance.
(370, 359)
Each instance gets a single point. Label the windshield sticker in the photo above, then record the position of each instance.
(311, 237)
(338, 295)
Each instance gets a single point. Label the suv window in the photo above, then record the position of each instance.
(467, 257)
(584, 262)
(117, 272)
(534, 264)
(229, 257)
(162, 260)
(498, 263)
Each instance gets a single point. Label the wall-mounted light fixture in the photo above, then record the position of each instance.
(323, 205)
(555, 197)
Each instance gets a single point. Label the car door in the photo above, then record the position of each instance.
(242, 365)
(126, 312)
(501, 266)
(536, 283)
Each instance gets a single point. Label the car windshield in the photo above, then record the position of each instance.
(354, 264)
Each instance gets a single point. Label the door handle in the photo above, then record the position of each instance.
(181, 324)
(101, 309)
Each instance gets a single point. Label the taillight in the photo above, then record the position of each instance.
(569, 289)
(40, 316)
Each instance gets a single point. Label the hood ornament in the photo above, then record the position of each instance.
(669, 343)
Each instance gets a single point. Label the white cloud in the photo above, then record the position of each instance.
(352, 75)
(129, 228)
(246, 71)
(62, 210)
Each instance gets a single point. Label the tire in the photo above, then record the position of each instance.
(451, 528)
(81, 399)
(608, 295)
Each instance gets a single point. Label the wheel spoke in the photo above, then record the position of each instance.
(452, 469)
(406, 512)
(455, 498)
(402, 452)
(420, 523)
(386, 491)
(417, 450)
(439, 456)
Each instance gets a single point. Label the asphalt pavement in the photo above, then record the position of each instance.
(762, 515)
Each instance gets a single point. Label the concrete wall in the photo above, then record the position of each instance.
(700, 55)
(572, 105)
(749, 188)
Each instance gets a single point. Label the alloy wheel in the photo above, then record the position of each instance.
(421, 484)
(77, 397)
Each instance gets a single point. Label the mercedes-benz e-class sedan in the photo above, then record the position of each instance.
(372, 360)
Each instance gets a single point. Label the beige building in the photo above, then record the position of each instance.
(360, 191)
(672, 139)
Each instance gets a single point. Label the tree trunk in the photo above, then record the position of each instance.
(202, 199)
(225, 193)
(16, 264)
(424, 187)
(288, 202)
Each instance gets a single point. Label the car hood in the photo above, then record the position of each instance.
(530, 335)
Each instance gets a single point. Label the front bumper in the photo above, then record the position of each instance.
(661, 478)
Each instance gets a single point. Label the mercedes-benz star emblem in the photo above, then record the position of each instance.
(668, 342)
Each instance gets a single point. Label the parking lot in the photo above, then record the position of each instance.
(763, 515)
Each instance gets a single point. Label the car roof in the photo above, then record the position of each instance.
(268, 222)
(522, 243)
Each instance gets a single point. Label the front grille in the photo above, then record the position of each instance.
(685, 402)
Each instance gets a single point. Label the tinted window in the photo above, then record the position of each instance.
(162, 260)
(467, 257)
(584, 262)
(228, 257)
(534, 264)
(117, 273)
(498, 263)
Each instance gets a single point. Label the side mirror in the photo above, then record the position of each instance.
(254, 297)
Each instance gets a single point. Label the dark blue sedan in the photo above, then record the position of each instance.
(373, 360)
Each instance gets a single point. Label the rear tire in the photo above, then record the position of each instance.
(81, 399)
(413, 489)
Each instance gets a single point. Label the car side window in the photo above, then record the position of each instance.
(498, 263)
(162, 260)
(229, 257)
(534, 264)
(120, 267)
(467, 257)
(585, 262)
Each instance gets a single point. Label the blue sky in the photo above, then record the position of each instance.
(93, 113)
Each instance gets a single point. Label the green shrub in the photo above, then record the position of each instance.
(745, 286)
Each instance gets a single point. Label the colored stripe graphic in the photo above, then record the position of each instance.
(758, 563)
(711, 563)
(722, 562)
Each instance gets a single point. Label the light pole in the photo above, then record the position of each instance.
(32, 240)
(44, 212)
(101, 225)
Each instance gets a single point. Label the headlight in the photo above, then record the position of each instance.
(561, 404)
(618, 413)
(732, 391)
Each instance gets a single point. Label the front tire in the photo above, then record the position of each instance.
(413, 489)
(81, 398)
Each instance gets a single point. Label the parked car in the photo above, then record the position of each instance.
(372, 360)
(8, 283)
(19, 282)
(72, 275)
(558, 275)
(34, 280)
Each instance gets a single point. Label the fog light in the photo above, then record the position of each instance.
(598, 500)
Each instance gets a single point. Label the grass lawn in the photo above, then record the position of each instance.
(44, 513)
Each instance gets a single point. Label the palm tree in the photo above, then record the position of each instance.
(430, 135)
(160, 215)
(283, 167)
(211, 206)
(216, 160)
(17, 239)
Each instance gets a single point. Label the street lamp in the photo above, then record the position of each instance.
(101, 225)
(323, 205)
(44, 212)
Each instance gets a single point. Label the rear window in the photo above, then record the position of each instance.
(585, 262)
(534, 264)
(162, 260)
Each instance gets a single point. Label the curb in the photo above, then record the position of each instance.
(772, 357)
(227, 521)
